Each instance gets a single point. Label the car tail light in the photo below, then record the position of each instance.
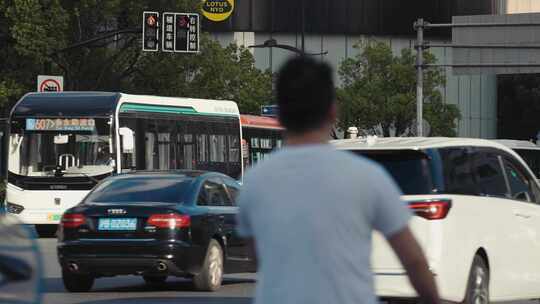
(169, 221)
(431, 209)
(73, 220)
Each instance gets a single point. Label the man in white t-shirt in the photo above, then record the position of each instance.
(310, 210)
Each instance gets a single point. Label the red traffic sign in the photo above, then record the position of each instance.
(50, 83)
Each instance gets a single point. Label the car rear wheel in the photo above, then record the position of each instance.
(77, 282)
(211, 275)
(155, 280)
(478, 284)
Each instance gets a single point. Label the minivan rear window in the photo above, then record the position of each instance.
(409, 168)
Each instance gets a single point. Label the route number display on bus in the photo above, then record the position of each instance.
(72, 124)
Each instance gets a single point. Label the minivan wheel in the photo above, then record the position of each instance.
(77, 282)
(478, 284)
(211, 275)
(155, 280)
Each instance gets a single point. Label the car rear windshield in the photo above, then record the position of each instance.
(410, 169)
(163, 189)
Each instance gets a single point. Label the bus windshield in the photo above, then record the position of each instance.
(60, 147)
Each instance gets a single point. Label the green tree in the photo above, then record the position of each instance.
(32, 33)
(214, 73)
(379, 93)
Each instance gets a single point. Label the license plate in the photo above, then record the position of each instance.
(117, 224)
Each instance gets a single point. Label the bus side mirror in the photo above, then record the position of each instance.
(128, 139)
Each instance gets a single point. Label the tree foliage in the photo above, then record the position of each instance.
(34, 35)
(378, 93)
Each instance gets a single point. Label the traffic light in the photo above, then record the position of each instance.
(182, 31)
(187, 33)
(175, 32)
(151, 31)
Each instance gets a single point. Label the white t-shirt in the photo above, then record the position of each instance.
(311, 210)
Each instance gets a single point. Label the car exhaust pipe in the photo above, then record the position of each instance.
(161, 266)
(73, 267)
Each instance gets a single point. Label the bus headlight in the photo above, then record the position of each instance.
(14, 208)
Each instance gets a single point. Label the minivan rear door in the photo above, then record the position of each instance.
(412, 171)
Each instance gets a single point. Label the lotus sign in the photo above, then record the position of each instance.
(217, 10)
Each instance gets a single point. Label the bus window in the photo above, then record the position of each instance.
(261, 135)
(128, 157)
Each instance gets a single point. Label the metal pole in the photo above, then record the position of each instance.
(303, 28)
(419, 26)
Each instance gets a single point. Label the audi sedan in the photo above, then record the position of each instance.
(155, 225)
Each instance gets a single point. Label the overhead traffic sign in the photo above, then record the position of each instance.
(271, 110)
(173, 32)
(47, 83)
(169, 31)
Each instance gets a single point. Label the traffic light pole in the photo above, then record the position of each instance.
(419, 26)
(96, 39)
(303, 27)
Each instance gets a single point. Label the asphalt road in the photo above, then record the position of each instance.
(237, 289)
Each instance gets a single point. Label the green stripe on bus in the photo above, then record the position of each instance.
(159, 109)
(126, 107)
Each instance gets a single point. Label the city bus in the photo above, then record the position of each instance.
(261, 135)
(61, 144)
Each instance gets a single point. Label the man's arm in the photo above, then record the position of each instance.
(411, 256)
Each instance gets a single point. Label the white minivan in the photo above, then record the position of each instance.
(477, 207)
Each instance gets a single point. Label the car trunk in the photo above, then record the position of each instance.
(125, 222)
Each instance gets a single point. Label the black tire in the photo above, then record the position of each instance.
(155, 280)
(478, 283)
(77, 282)
(211, 274)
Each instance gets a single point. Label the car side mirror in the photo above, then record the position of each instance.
(128, 139)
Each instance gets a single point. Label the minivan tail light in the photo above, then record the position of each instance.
(170, 221)
(431, 209)
(73, 220)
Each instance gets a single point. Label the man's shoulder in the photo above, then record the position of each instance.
(261, 168)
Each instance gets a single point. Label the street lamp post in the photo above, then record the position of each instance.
(303, 26)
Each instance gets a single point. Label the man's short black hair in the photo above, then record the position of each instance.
(305, 93)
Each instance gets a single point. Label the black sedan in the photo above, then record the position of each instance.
(155, 224)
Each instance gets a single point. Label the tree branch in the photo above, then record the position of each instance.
(111, 61)
(131, 68)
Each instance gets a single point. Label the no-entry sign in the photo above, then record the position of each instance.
(47, 83)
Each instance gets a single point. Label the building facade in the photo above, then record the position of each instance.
(336, 26)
